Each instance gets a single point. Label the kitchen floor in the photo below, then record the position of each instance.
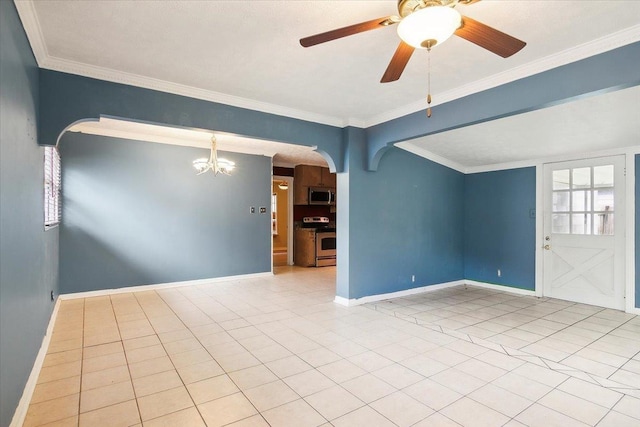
(277, 351)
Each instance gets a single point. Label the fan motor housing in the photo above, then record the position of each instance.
(407, 7)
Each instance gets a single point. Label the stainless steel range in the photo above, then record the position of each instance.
(325, 239)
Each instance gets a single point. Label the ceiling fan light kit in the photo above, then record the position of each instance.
(423, 24)
(430, 26)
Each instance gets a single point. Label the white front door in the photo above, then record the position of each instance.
(584, 231)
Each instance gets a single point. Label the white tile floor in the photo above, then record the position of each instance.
(278, 352)
(592, 343)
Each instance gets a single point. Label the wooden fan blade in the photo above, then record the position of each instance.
(489, 38)
(467, 2)
(398, 62)
(347, 31)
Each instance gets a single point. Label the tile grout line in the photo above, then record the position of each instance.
(224, 370)
(168, 356)
(124, 350)
(323, 345)
(571, 305)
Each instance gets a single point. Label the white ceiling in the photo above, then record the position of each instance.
(598, 123)
(246, 53)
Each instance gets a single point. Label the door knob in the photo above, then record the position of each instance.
(547, 238)
(547, 247)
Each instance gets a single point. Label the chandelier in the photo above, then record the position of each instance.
(214, 164)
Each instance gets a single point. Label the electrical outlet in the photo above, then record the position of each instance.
(499, 273)
(252, 209)
(263, 210)
(413, 278)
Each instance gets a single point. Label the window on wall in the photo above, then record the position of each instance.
(583, 200)
(52, 181)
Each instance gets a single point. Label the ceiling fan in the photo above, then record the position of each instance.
(423, 24)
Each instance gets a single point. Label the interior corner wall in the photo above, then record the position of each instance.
(136, 213)
(28, 254)
(405, 220)
(500, 226)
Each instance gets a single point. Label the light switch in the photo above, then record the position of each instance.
(252, 209)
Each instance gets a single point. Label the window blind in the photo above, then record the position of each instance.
(52, 181)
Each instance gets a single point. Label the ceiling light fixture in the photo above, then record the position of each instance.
(426, 28)
(214, 164)
(429, 26)
(284, 185)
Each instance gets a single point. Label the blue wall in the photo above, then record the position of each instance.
(136, 213)
(499, 230)
(405, 219)
(637, 201)
(67, 98)
(28, 254)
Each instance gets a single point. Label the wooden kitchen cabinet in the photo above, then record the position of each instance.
(328, 179)
(305, 176)
(304, 246)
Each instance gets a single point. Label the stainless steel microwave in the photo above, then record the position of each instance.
(322, 196)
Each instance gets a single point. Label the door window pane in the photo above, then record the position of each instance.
(588, 207)
(581, 223)
(603, 176)
(561, 179)
(560, 223)
(603, 199)
(560, 201)
(603, 224)
(582, 178)
(581, 200)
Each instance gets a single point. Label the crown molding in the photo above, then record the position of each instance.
(631, 150)
(585, 50)
(29, 18)
(418, 151)
(107, 74)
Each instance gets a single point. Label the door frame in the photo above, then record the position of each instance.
(611, 248)
(289, 180)
(630, 215)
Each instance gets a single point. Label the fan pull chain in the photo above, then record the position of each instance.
(429, 82)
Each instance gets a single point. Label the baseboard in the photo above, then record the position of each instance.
(502, 288)
(342, 301)
(398, 294)
(379, 297)
(23, 405)
(635, 310)
(138, 288)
